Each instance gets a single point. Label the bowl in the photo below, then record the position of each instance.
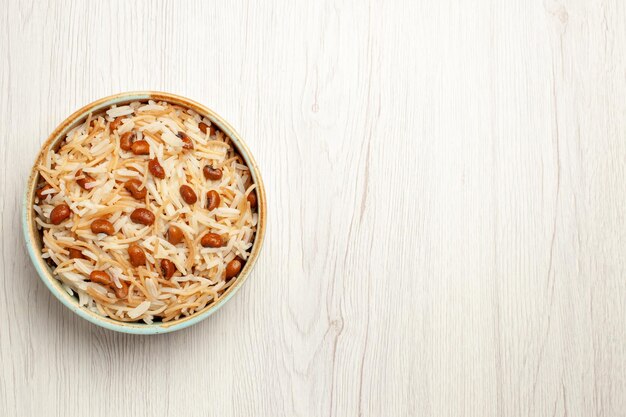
(34, 242)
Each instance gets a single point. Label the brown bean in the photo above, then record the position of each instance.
(204, 127)
(100, 277)
(212, 240)
(140, 147)
(212, 199)
(188, 194)
(126, 141)
(167, 268)
(187, 142)
(174, 235)
(137, 255)
(142, 216)
(60, 213)
(252, 199)
(76, 254)
(102, 226)
(120, 292)
(115, 124)
(233, 268)
(42, 189)
(85, 180)
(133, 186)
(156, 169)
(211, 173)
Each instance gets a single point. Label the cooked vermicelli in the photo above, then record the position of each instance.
(147, 212)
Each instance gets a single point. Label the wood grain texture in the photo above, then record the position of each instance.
(446, 185)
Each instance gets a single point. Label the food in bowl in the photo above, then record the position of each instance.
(146, 211)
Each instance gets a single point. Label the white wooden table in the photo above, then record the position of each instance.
(447, 207)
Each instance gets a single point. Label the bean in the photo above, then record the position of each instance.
(174, 235)
(126, 141)
(100, 277)
(188, 194)
(212, 240)
(142, 216)
(252, 199)
(115, 124)
(120, 292)
(140, 147)
(156, 169)
(85, 180)
(137, 255)
(187, 142)
(76, 254)
(41, 191)
(211, 173)
(102, 226)
(60, 213)
(233, 268)
(204, 127)
(167, 268)
(212, 199)
(133, 187)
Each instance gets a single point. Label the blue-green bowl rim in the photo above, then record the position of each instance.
(31, 235)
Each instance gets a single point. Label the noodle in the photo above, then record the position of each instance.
(200, 278)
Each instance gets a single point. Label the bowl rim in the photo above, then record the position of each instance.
(31, 234)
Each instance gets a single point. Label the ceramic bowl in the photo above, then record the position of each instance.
(33, 237)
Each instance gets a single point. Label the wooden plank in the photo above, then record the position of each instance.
(446, 197)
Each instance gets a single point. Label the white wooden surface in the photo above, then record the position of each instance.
(447, 207)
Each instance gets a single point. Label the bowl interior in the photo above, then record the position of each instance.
(33, 236)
